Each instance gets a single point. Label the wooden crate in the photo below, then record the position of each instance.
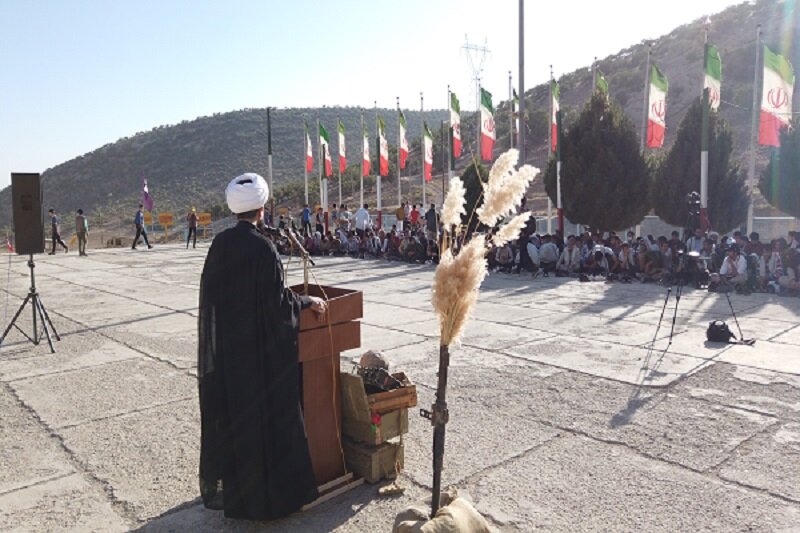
(373, 463)
(358, 410)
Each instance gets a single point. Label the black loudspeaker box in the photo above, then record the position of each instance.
(26, 194)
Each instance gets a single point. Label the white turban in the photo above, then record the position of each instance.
(247, 192)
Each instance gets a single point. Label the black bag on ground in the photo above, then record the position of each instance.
(718, 331)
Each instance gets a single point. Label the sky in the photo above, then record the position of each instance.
(78, 74)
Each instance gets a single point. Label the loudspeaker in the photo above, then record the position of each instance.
(26, 194)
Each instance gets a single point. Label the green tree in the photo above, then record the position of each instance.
(605, 182)
(679, 174)
(474, 176)
(780, 182)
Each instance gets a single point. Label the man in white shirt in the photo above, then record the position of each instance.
(533, 254)
(362, 221)
(695, 242)
(548, 255)
(570, 260)
(734, 268)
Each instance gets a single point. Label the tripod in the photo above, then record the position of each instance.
(38, 311)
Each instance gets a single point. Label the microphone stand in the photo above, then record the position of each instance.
(303, 253)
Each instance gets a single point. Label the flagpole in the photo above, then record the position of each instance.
(422, 146)
(361, 203)
(645, 102)
(510, 113)
(378, 173)
(449, 146)
(559, 207)
(751, 175)
(521, 95)
(306, 148)
(321, 165)
(269, 170)
(338, 123)
(444, 161)
(550, 149)
(399, 143)
(704, 142)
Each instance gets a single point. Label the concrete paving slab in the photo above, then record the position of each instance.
(66, 503)
(765, 355)
(170, 337)
(634, 365)
(76, 397)
(755, 390)
(149, 458)
(790, 336)
(29, 455)
(471, 446)
(576, 484)
(770, 461)
(74, 351)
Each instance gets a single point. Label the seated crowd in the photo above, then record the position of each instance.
(720, 263)
(413, 239)
(739, 262)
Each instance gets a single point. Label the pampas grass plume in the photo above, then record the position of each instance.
(510, 231)
(455, 287)
(454, 202)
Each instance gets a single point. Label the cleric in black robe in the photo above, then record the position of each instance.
(253, 438)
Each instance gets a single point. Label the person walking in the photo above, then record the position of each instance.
(191, 218)
(55, 232)
(82, 231)
(138, 219)
(305, 218)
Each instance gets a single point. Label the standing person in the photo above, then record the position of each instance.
(319, 221)
(400, 214)
(191, 219)
(252, 433)
(141, 230)
(432, 224)
(82, 231)
(55, 232)
(306, 220)
(362, 221)
(414, 217)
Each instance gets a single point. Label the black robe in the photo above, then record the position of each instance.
(252, 432)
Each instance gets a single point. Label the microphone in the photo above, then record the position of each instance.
(289, 234)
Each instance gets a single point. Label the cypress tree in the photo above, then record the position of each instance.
(605, 181)
(679, 174)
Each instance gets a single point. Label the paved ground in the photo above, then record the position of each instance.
(561, 418)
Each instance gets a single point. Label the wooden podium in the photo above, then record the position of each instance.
(319, 346)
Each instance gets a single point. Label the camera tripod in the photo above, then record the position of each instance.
(39, 314)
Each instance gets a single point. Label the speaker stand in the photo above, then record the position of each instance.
(39, 314)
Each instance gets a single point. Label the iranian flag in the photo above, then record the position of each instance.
(455, 124)
(365, 162)
(713, 76)
(776, 97)
(325, 148)
(342, 152)
(403, 140)
(383, 149)
(657, 108)
(428, 147)
(309, 152)
(555, 105)
(487, 125)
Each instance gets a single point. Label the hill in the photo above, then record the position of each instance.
(188, 163)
